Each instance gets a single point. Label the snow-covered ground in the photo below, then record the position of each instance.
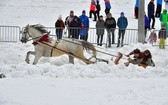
(53, 81)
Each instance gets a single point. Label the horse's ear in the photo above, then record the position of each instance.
(27, 25)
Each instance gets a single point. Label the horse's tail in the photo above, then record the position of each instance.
(88, 46)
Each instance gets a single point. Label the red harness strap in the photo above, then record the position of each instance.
(44, 38)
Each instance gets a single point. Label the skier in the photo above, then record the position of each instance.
(158, 8)
(107, 6)
(136, 8)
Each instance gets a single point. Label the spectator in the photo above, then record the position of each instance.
(98, 8)
(162, 37)
(59, 25)
(92, 11)
(68, 21)
(158, 8)
(164, 18)
(75, 27)
(136, 9)
(151, 11)
(84, 20)
(107, 6)
(110, 25)
(100, 30)
(122, 23)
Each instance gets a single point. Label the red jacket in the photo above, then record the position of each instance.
(92, 7)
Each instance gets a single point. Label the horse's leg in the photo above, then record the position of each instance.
(27, 56)
(37, 57)
(71, 59)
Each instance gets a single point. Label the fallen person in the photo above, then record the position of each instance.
(143, 59)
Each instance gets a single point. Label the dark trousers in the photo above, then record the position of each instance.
(158, 10)
(121, 34)
(94, 13)
(153, 22)
(84, 37)
(136, 12)
(98, 13)
(59, 34)
(109, 32)
(107, 10)
(99, 39)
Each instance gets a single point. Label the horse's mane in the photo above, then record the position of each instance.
(40, 27)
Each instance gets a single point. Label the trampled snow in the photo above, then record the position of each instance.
(53, 81)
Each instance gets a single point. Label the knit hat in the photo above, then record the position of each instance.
(83, 11)
(122, 13)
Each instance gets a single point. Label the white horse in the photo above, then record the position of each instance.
(48, 47)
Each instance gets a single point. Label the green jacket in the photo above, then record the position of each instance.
(164, 18)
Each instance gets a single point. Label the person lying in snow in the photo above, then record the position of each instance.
(143, 59)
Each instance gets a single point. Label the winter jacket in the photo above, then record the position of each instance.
(59, 25)
(137, 3)
(164, 18)
(151, 9)
(147, 25)
(122, 22)
(92, 7)
(162, 33)
(100, 27)
(98, 8)
(107, 4)
(159, 2)
(75, 27)
(84, 20)
(110, 23)
(68, 20)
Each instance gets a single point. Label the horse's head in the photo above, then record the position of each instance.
(25, 35)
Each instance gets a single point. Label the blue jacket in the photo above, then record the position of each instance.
(137, 3)
(151, 9)
(159, 2)
(108, 5)
(84, 20)
(122, 22)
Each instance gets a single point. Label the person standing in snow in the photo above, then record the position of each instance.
(98, 8)
(136, 9)
(162, 37)
(68, 21)
(164, 18)
(110, 25)
(151, 11)
(107, 6)
(84, 20)
(75, 27)
(59, 25)
(92, 11)
(100, 30)
(158, 8)
(122, 23)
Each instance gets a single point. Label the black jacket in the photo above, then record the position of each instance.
(110, 23)
(151, 9)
